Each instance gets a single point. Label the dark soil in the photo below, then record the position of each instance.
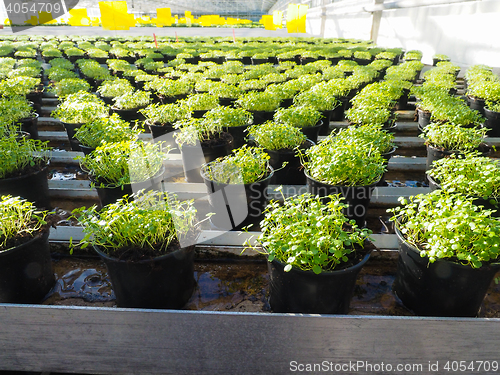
(216, 140)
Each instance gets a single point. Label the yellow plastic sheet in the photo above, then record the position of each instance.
(292, 14)
(163, 17)
(114, 15)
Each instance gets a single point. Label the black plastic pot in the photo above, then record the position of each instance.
(442, 288)
(424, 118)
(403, 100)
(71, 130)
(165, 282)
(129, 115)
(26, 274)
(325, 127)
(434, 153)
(109, 195)
(337, 114)
(492, 122)
(86, 149)
(356, 197)
(239, 133)
(305, 292)
(30, 125)
(33, 187)
(36, 98)
(477, 104)
(260, 117)
(312, 132)
(236, 206)
(259, 61)
(292, 173)
(193, 157)
(387, 156)
(227, 102)
(161, 130)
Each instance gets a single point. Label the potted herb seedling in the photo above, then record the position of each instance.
(69, 86)
(199, 104)
(129, 104)
(104, 130)
(447, 254)
(341, 165)
(160, 118)
(23, 171)
(168, 90)
(113, 88)
(243, 177)
(26, 274)
(492, 115)
(323, 101)
(146, 246)
(227, 93)
(261, 104)
(234, 120)
(470, 175)
(371, 115)
(439, 57)
(18, 110)
(445, 139)
(314, 254)
(306, 118)
(200, 141)
(282, 142)
(78, 109)
(121, 168)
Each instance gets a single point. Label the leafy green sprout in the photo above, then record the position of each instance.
(299, 116)
(307, 234)
(341, 161)
(18, 217)
(126, 162)
(258, 101)
(194, 130)
(470, 174)
(452, 137)
(229, 117)
(21, 154)
(444, 225)
(67, 86)
(277, 136)
(371, 135)
(152, 221)
(166, 113)
(114, 88)
(105, 130)
(80, 108)
(245, 166)
(132, 99)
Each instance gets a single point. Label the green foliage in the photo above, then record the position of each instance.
(201, 102)
(320, 100)
(442, 225)
(299, 116)
(105, 130)
(18, 217)
(166, 113)
(132, 99)
(69, 86)
(195, 130)
(14, 109)
(21, 154)
(258, 101)
(277, 136)
(366, 115)
(371, 135)
(245, 166)
(80, 108)
(120, 163)
(343, 161)
(229, 117)
(471, 175)
(114, 88)
(56, 74)
(305, 233)
(169, 87)
(451, 137)
(149, 221)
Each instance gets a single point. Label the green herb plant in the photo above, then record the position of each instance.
(277, 136)
(307, 234)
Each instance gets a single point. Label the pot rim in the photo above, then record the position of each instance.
(328, 273)
(40, 170)
(403, 240)
(268, 177)
(95, 180)
(293, 150)
(143, 261)
(42, 233)
(306, 172)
